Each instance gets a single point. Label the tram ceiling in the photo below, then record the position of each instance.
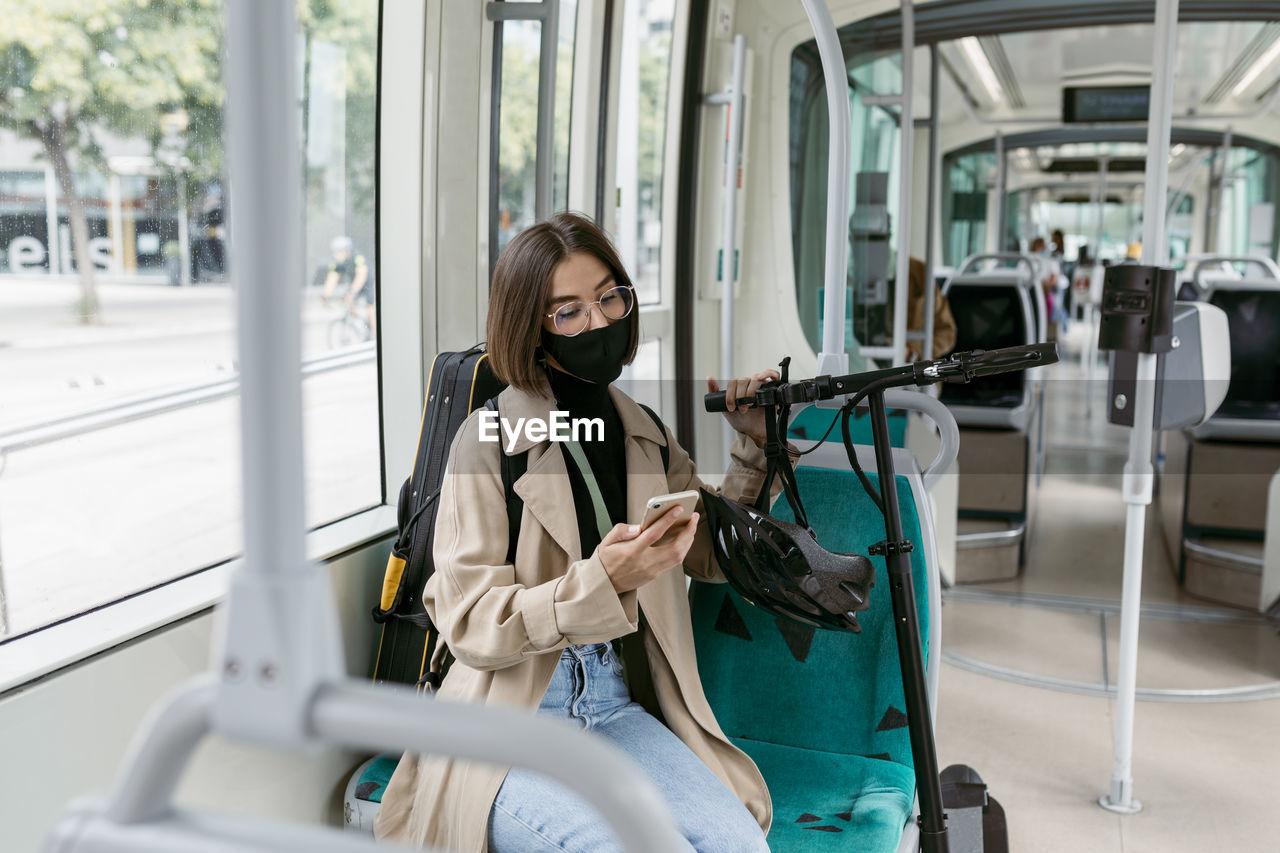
(1128, 133)
(1011, 59)
(947, 20)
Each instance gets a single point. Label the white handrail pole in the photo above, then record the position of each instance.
(833, 359)
(139, 815)
(995, 237)
(263, 155)
(729, 218)
(1138, 473)
(1220, 223)
(906, 134)
(729, 221)
(278, 631)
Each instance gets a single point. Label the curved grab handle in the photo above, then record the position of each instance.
(1266, 264)
(947, 428)
(971, 261)
(139, 816)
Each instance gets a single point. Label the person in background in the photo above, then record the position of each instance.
(1057, 252)
(1050, 279)
(351, 268)
(944, 324)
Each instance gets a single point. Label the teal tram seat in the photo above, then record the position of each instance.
(363, 796)
(822, 712)
(811, 423)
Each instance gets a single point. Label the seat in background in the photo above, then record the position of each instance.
(1000, 432)
(1215, 504)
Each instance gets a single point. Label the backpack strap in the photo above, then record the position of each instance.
(513, 468)
(665, 447)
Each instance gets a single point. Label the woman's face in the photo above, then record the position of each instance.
(581, 277)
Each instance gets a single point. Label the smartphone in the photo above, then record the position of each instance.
(660, 504)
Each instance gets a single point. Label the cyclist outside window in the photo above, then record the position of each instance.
(350, 267)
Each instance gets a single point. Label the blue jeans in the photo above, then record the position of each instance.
(533, 813)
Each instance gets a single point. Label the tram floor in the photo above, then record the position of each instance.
(1204, 773)
(1204, 770)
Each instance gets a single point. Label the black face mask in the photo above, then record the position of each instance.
(595, 355)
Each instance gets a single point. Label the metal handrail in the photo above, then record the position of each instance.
(137, 407)
(1264, 263)
(991, 538)
(973, 260)
(1222, 557)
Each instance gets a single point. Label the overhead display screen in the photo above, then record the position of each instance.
(1105, 103)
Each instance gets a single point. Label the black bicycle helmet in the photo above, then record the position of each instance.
(780, 566)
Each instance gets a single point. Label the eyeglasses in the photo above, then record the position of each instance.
(572, 318)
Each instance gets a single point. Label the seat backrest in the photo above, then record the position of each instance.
(990, 312)
(1253, 315)
(811, 423)
(772, 680)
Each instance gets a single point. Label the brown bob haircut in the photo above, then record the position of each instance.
(521, 285)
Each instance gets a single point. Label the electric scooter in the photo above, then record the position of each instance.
(958, 789)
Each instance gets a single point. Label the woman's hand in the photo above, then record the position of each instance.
(747, 420)
(632, 557)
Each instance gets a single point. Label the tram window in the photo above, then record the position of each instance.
(517, 151)
(642, 131)
(119, 447)
(968, 185)
(874, 160)
(1247, 209)
(517, 128)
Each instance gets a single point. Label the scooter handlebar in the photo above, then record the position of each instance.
(959, 367)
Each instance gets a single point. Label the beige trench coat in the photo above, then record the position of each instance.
(507, 624)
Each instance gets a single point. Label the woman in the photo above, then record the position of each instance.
(537, 633)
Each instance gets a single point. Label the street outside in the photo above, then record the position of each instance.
(89, 518)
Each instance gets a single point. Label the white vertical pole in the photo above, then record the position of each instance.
(1222, 227)
(906, 138)
(833, 359)
(280, 635)
(1089, 356)
(729, 219)
(1138, 474)
(262, 148)
(1103, 162)
(932, 194)
(628, 203)
(996, 233)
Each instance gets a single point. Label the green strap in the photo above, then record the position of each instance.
(597, 500)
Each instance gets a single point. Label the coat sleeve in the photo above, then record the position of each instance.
(742, 483)
(489, 619)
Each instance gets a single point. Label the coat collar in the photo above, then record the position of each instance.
(545, 488)
(514, 403)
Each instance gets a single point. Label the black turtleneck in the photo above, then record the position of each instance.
(582, 399)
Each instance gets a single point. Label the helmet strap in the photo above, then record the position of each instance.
(779, 465)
